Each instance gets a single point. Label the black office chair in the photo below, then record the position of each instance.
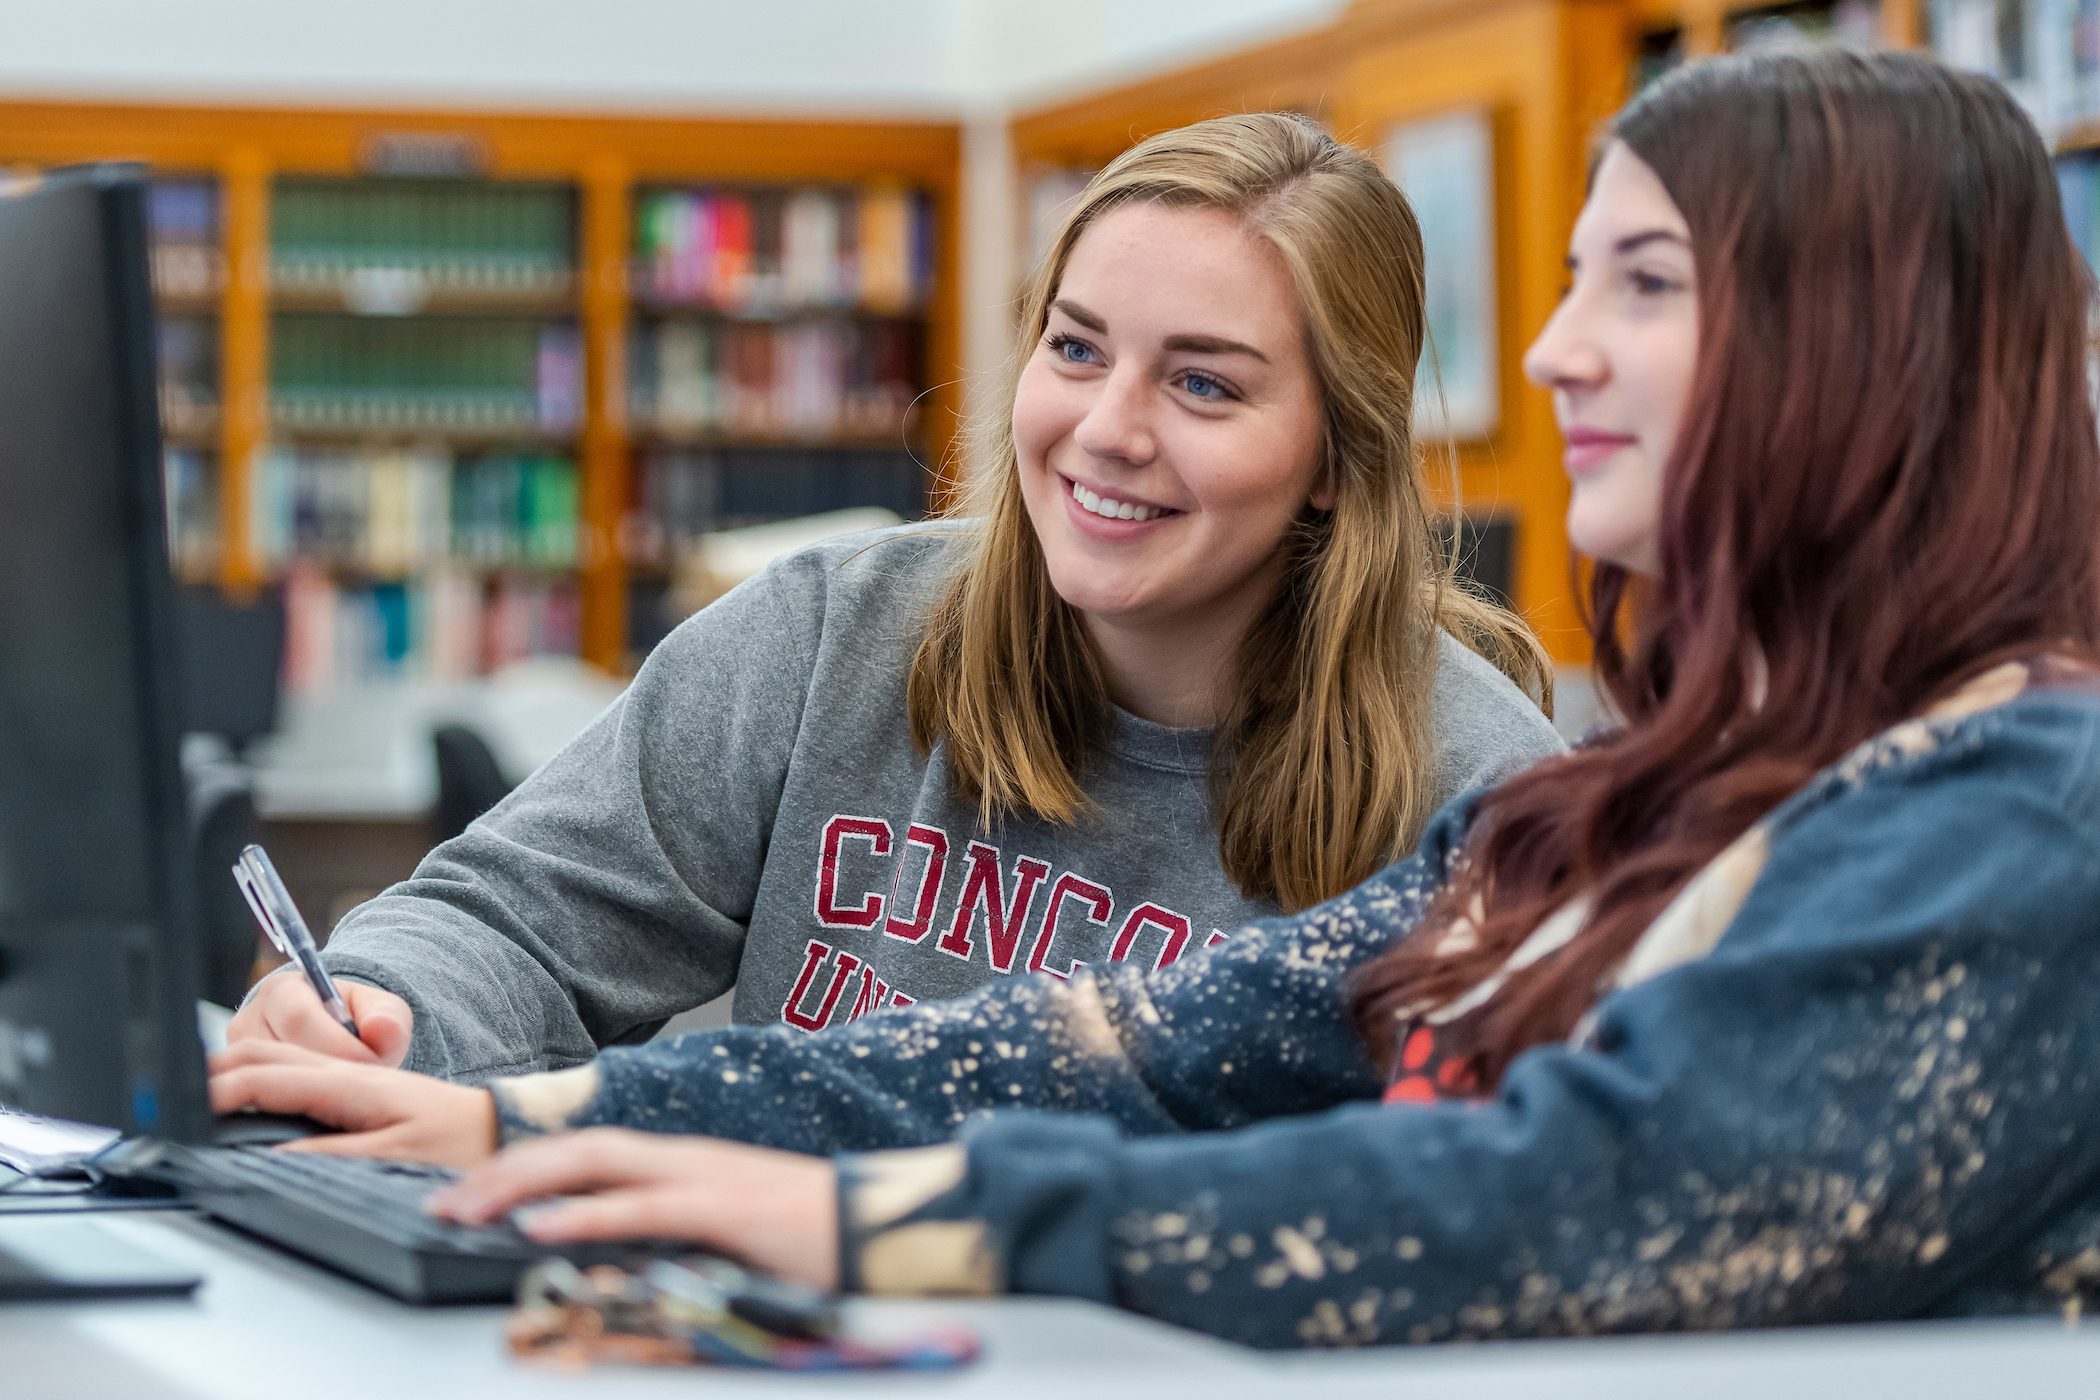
(222, 822)
(469, 780)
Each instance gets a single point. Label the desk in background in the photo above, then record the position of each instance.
(346, 786)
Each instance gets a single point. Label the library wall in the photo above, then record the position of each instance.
(917, 56)
(816, 55)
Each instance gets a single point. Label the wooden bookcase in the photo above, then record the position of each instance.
(605, 160)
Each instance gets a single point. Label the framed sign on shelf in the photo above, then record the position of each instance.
(1446, 166)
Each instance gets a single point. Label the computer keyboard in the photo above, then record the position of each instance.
(365, 1218)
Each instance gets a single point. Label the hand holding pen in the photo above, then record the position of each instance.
(283, 1010)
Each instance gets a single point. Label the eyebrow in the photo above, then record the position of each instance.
(1188, 344)
(1642, 239)
(1634, 242)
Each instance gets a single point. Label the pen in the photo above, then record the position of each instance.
(279, 917)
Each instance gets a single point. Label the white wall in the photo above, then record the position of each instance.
(831, 55)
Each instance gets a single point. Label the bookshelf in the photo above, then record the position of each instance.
(2046, 51)
(466, 384)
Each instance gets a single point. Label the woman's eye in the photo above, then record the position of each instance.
(1071, 349)
(1650, 284)
(1202, 386)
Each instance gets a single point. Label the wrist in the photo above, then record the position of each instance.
(488, 1129)
(533, 1105)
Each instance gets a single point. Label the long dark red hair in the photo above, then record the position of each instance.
(1888, 477)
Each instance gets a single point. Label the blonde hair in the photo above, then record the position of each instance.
(1322, 764)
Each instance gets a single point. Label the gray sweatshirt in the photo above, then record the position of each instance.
(752, 813)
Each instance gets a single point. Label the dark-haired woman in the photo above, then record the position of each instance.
(1782, 1004)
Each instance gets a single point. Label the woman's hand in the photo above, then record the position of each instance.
(284, 1008)
(382, 1112)
(774, 1210)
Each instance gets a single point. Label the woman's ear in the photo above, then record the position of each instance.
(1323, 491)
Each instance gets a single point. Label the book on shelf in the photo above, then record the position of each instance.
(682, 494)
(388, 512)
(811, 379)
(2046, 51)
(765, 251)
(456, 372)
(1807, 25)
(444, 624)
(1657, 53)
(455, 235)
(182, 221)
(187, 349)
(1791, 25)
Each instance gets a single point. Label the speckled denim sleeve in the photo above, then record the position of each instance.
(1872, 1099)
(1249, 1029)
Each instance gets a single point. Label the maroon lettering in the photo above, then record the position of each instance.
(1005, 914)
(830, 913)
(1174, 926)
(813, 956)
(936, 843)
(872, 991)
(1092, 897)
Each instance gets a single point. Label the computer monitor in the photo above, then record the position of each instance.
(98, 964)
(231, 654)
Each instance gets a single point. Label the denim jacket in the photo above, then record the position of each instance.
(1855, 1081)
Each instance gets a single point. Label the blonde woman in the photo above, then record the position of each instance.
(1192, 656)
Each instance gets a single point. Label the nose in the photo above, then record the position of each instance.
(1565, 356)
(1117, 426)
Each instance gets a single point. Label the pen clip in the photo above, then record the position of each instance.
(258, 901)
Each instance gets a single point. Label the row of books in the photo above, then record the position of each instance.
(394, 512)
(336, 372)
(1854, 23)
(1806, 24)
(182, 218)
(761, 251)
(442, 625)
(2046, 51)
(834, 377)
(474, 235)
(188, 351)
(682, 494)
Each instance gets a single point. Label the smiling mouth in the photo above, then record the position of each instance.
(1109, 508)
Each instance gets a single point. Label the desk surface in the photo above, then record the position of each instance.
(263, 1319)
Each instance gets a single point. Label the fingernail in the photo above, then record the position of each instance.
(534, 1219)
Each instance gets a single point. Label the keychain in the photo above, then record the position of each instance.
(705, 1312)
